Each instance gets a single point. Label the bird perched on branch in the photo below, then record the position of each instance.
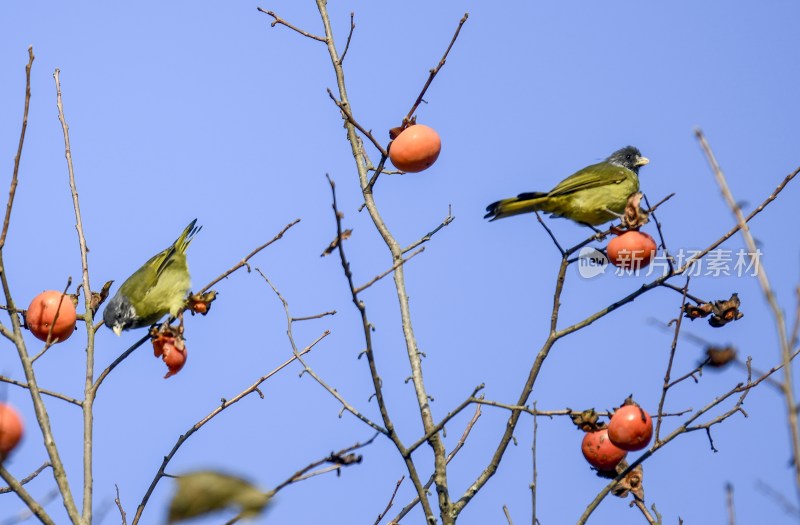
(594, 195)
(158, 288)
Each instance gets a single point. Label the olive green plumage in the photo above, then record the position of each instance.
(158, 288)
(594, 195)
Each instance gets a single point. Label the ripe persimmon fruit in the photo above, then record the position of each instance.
(10, 429)
(600, 452)
(630, 428)
(41, 316)
(632, 250)
(415, 149)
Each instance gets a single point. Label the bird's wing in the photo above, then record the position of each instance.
(593, 176)
(136, 287)
(165, 258)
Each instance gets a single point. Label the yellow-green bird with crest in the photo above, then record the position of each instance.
(594, 195)
(156, 289)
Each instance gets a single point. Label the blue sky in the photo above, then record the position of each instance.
(180, 110)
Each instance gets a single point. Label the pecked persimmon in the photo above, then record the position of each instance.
(10, 429)
(415, 149)
(174, 357)
(600, 452)
(51, 309)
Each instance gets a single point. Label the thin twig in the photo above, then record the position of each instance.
(428, 236)
(391, 501)
(441, 424)
(377, 173)
(435, 70)
(507, 515)
(279, 20)
(310, 371)
(25, 496)
(349, 36)
(387, 272)
(729, 504)
(367, 327)
(244, 262)
(88, 402)
(535, 472)
(681, 290)
(673, 347)
(551, 234)
(554, 413)
(310, 317)
(646, 513)
(697, 370)
(344, 108)
(50, 393)
(117, 501)
(653, 208)
(119, 360)
(339, 459)
(28, 478)
(18, 157)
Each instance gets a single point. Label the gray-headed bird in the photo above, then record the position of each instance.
(594, 195)
(158, 288)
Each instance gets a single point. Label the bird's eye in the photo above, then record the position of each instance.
(628, 156)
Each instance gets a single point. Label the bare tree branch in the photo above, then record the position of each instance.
(88, 402)
(279, 20)
(777, 313)
(50, 393)
(462, 440)
(349, 36)
(28, 478)
(435, 70)
(244, 262)
(339, 459)
(18, 157)
(391, 501)
(307, 369)
(23, 494)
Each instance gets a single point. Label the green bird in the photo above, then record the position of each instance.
(594, 195)
(158, 288)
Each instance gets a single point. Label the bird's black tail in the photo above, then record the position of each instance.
(522, 203)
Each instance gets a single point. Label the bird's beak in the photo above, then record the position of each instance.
(641, 161)
(117, 329)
